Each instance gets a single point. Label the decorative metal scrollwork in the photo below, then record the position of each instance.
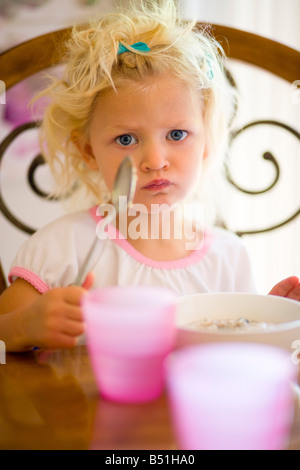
(268, 156)
(38, 160)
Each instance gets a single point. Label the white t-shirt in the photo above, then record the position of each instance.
(53, 256)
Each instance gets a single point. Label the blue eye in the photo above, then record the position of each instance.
(125, 140)
(177, 134)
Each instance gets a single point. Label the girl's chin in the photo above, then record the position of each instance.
(158, 203)
(153, 208)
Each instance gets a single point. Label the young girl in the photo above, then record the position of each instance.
(145, 84)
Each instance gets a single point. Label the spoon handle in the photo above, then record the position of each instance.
(84, 268)
(88, 262)
(125, 183)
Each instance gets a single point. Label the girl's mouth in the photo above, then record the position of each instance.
(157, 185)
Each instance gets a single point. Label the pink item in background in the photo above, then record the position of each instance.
(130, 331)
(17, 111)
(231, 396)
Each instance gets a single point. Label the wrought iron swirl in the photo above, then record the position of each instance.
(268, 156)
(38, 160)
(30, 177)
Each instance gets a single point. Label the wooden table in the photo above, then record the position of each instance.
(50, 400)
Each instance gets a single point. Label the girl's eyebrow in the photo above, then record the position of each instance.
(176, 125)
(116, 127)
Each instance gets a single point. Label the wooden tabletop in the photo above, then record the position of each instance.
(50, 400)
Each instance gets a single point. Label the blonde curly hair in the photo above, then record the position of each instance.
(92, 64)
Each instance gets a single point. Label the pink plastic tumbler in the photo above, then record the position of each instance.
(234, 396)
(130, 331)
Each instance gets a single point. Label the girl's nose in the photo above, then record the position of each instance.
(154, 158)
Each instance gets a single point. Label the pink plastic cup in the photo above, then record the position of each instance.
(130, 331)
(231, 396)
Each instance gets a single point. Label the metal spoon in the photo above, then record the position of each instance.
(124, 185)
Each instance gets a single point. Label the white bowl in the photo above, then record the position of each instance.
(282, 316)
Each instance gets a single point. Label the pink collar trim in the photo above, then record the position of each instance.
(121, 241)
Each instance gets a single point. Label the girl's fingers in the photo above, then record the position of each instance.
(285, 288)
(73, 313)
(69, 321)
(295, 293)
(70, 295)
(64, 334)
(61, 340)
(89, 281)
(73, 328)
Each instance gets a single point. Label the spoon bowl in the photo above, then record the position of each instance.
(124, 185)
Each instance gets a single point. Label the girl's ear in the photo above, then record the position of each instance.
(85, 150)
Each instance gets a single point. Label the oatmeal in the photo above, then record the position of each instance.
(238, 324)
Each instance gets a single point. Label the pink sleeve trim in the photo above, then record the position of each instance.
(28, 276)
(121, 241)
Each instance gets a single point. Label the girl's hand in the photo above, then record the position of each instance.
(54, 319)
(289, 288)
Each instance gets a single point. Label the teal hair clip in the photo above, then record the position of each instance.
(139, 46)
(210, 66)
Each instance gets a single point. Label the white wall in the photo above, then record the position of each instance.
(275, 19)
